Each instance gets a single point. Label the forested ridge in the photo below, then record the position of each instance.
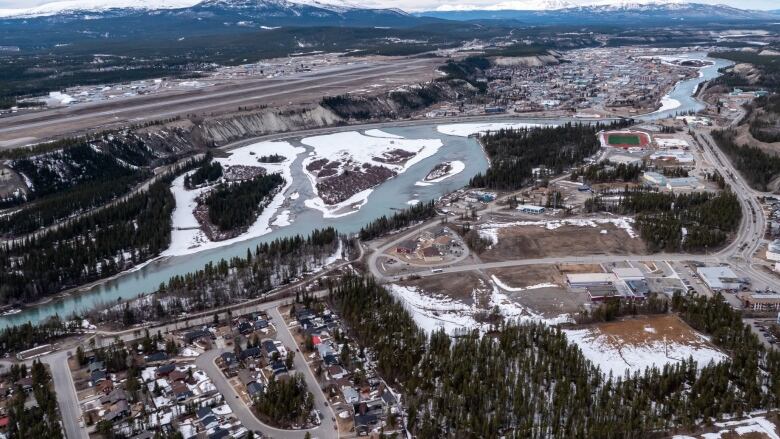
(237, 205)
(755, 165)
(92, 247)
(670, 222)
(514, 153)
(74, 175)
(526, 381)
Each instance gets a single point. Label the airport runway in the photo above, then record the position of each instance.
(27, 128)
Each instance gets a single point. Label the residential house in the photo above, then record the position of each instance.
(164, 370)
(255, 389)
(253, 352)
(156, 357)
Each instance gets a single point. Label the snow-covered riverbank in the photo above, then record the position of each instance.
(186, 235)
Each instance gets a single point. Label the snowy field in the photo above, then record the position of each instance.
(357, 149)
(506, 287)
(490, 231)
(436, 311)
(468, 129)
(186, 236)
(755, 427)
(633, 346)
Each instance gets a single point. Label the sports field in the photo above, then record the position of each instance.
(623, 139)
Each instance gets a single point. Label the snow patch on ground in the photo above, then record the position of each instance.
(186, 236)
(359, 148)
(381, 134)
(468, 129)
(490, 231)
(436, 311)
(506, 287)
(604, 352)
(758, 425)
(283, 219)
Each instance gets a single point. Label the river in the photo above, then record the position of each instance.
(385, 200)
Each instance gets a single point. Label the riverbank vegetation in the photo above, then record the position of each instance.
(514, 153)
(399, 220)
(527, 381)
(271, 265)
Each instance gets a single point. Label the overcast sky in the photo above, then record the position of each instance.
(427, 5)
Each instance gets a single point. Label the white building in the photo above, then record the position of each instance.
(720, 278)
(529, 208)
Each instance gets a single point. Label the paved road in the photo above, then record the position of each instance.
(241, 410)
(68, 401)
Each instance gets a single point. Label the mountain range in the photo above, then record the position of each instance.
(611, 12)
(70, 21)
(340, 12)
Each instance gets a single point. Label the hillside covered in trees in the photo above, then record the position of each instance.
(514, 153)
(757, 167)
(528, 381)
(89, 248)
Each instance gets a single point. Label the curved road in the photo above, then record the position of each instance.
(326, 429)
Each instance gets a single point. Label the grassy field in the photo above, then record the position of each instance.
(623, 139)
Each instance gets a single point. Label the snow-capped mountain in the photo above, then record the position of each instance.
(514, 5)
(604, 11)
(71, 7)
(190, 17)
